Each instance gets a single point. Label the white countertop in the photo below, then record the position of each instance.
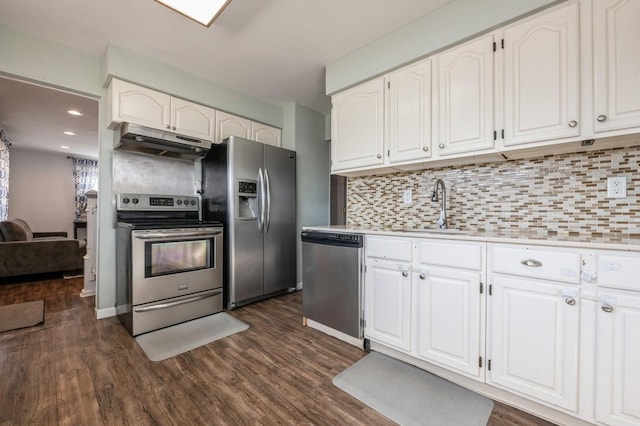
(602, 242)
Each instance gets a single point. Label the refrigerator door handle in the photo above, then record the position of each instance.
(261, 196)
(268, 196)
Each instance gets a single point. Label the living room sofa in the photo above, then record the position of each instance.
(23, 252)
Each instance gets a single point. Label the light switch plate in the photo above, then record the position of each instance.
(617, 187)
(407, 196)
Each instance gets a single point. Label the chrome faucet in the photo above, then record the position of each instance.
(442, 219)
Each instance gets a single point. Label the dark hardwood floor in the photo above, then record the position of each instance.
(76, 370)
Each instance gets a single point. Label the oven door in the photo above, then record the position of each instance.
(171, 263)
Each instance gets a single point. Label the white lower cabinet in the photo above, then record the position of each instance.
(388, 303)
(449, 321)
(534, 333)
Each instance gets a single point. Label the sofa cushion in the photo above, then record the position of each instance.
(13, 230)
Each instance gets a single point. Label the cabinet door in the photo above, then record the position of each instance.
(616, 60)
(357, 126)
(266, 134)
(387, 308)
(534, 337)
(231, 125)
(409, 113)
(139, 105)
(541, 78)
(192, 119)
(466, 98)
(617, 359)
(449, 318)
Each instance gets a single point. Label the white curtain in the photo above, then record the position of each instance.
(4, 175)
(85, 177)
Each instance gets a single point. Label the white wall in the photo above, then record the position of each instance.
(41, 190)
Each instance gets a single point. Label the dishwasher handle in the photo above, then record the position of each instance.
(333, 239)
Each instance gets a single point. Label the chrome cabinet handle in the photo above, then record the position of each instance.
(607, 308)
(173, 128)
(379, 156)
(573, 123)
(570, 301)
(423, 276)
(601, 118)
(405, 274)
(441, 146)
(532, 263)
(168, 127)
(425, 148)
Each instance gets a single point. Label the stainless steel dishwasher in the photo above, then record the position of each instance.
(332, 264)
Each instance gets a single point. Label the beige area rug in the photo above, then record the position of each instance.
(21, 315)
(171, 341)
(411, 396)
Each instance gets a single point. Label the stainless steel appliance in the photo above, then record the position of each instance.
(146, 140)
(251, 188)
(169, 263)
(332, 274)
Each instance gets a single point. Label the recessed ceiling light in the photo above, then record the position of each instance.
(74, 112)
(69, 133)
(204, 12)
(64, 147)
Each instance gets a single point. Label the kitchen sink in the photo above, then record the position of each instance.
(448, 231)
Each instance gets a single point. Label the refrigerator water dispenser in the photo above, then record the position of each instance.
(247, 199)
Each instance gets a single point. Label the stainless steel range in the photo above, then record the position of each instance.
(169, 263)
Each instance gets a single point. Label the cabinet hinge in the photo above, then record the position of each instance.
(388, 85)
(502, 133)
(494, 46)
(495, 135)
(364, 323)
(490, 289)
(388, 153)
(480, 362)
(502, 43)
(489, 365)
(365, 269)
(481, 288)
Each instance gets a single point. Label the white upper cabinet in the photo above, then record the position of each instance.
(466, 95)
(541, 78)
(231, 125)
(192, 119)
(409, 113)
(357, 126)
(616, 61)
(266, 134)
(139, 105)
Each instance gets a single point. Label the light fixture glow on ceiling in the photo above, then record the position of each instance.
(64, 147)
(69, 133)
(203, 11)
(74, 112)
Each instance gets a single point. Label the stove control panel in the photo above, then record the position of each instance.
(157, 202)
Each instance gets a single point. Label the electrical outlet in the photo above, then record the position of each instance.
(407, 195)
(617, 187)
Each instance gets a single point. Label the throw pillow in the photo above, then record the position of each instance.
(13, 231)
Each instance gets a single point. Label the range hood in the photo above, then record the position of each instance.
(146, 140)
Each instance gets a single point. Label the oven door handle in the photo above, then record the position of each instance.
(175, 235)
(176, 303)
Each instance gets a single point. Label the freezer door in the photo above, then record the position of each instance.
(280, 235)
(245, 255)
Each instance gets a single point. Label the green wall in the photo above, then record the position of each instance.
(456, 21)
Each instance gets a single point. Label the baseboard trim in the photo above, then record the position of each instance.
(87, 293)
(105, 313)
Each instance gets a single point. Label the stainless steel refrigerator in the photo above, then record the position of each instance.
(251, 188)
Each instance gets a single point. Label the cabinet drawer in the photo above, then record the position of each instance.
(453, 254)
(542, 263)
(388, 248)
(619, 271)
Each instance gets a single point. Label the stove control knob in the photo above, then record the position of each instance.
(135, 200)
(125, 200)
(186, 202)
(193, 202)
(179, 202)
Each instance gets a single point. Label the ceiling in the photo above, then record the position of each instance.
(275, 50)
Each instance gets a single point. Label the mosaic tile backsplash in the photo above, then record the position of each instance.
(560, 195)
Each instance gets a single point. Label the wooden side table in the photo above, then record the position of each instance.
(78, 224)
